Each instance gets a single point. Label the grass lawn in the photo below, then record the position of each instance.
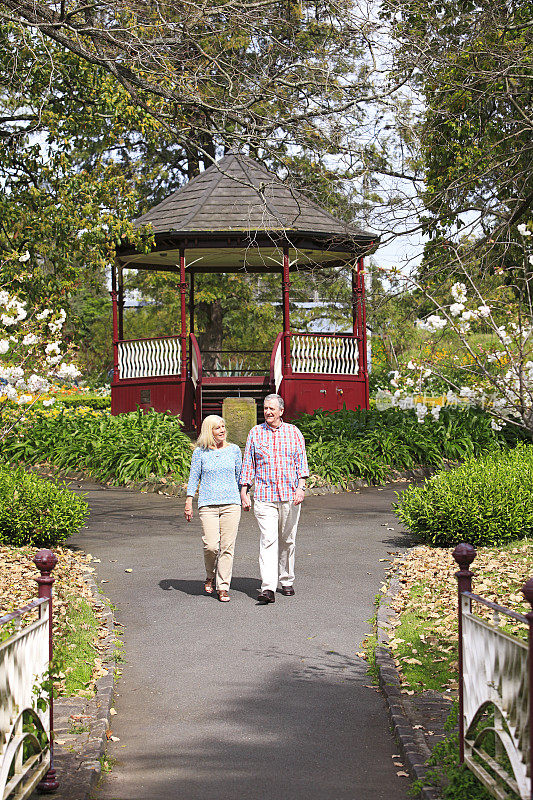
(77, 626)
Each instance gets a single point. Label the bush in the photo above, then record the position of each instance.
(83, 401)
(35, 512)
(125, 448)
(370, 444)
(485, 501)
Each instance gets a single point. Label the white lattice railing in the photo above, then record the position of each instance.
(149, 358)
(24, 759)
(325, 355)
(495, 705)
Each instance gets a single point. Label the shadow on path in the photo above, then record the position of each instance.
(247, 586)
(300, 735)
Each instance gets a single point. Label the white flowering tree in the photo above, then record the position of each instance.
(492, 343)
(32, 352)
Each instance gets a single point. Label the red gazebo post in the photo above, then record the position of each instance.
(191, 301)
(115, 323)
(183, 311)
(355, 301)
(362, 305)
(287, 368)
(120, 297)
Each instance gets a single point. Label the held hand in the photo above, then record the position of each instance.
(188, 512)
(245, 498)
(299, 496)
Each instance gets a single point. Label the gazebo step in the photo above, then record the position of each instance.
(213, 396)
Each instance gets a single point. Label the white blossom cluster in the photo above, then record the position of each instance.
(29, 357)
(515, 390)
(12, 310)
(433, 323)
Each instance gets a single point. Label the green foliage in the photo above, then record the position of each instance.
(94, 401)
(485, 501)
(476, 152)
(74, 654)
(370, 444)
(446, 772)
(34, 511)
(121, 449)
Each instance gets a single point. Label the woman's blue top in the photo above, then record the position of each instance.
(217, 472)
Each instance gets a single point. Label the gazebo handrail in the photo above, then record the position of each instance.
(334, 335)
(237, 350)
(195, 351)
(275, 366)
(149, 338)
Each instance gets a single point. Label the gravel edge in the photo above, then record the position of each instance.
(413, 747)
(104, 690)
(85, 768)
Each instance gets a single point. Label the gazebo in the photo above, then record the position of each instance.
(237, 217)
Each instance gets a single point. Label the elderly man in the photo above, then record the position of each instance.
(276, 460)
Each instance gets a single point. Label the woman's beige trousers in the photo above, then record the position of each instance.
(220, 524)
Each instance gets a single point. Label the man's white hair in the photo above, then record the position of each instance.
(281, 402)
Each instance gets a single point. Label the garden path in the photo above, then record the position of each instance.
(238, 701)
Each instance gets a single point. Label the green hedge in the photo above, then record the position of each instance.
(485, 501)
(370, 444)
(34, 511)
(83, 401)
(121, 449)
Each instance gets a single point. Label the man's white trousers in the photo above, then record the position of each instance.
(278, 522)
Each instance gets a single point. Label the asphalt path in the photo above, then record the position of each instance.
(238, 701)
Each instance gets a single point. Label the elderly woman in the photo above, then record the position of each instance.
(216, 466)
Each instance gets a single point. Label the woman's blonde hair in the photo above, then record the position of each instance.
(206, 440)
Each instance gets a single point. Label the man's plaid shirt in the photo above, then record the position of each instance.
(276, 459)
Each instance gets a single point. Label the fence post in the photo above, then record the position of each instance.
(527, 591)
(463, 554)
(45, 562)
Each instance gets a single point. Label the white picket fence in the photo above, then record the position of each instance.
(149, 358)
(325, 355)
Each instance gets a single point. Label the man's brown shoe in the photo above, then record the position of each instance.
(265, 597)
(288, 591)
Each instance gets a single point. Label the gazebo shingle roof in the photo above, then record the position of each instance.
(238, 194)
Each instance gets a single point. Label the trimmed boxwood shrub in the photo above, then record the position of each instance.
(34, 511)
(485, 501)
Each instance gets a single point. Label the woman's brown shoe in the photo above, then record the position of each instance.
(209, 585)
(223, 596)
